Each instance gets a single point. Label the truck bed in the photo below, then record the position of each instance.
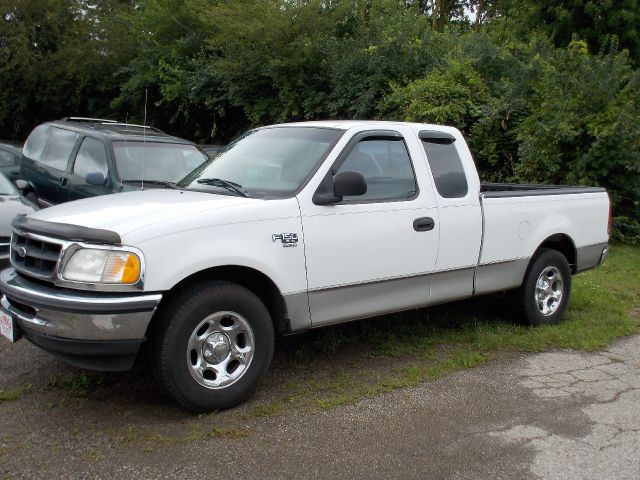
(499, 190)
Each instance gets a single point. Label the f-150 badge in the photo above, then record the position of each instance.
(287, 239)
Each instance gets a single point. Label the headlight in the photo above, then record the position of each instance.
(102, 266)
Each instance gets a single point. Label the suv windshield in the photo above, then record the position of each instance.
(161, 162)
(272, 162)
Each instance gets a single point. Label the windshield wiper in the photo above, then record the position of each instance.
(219, 182)
(152, 182)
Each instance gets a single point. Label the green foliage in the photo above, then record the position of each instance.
(544, 91)
(595, 21)
(583, 126)
(452, 94)
(57, 59)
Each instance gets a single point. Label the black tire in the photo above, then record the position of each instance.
(174, 327)
(528, 308)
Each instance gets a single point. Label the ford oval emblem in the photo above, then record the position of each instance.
(22, 251)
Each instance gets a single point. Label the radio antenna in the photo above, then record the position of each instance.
(144, 137)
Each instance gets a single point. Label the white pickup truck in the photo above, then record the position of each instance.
(290, 227)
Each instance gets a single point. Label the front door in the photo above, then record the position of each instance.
(372, 254)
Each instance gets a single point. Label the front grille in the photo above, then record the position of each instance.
(5, 243)
(34, 257)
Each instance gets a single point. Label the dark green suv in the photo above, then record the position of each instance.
(79, 157)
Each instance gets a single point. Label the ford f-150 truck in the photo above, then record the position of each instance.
(288, 228)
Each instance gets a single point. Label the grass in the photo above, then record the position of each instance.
(75, 384)
(10, 394)
(380, 355)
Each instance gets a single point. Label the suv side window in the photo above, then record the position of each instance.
(35, 143)
(446, 166)
(91, 158)
(385, 164)
(51, 146)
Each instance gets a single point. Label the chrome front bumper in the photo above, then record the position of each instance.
(78, 325)
(80, 315)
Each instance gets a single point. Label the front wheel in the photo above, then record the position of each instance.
(213, 345)
(544, 295)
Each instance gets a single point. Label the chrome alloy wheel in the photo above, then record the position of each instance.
(549, 289)
(220, 349)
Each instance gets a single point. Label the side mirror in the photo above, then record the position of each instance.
(96, 178)
(21, 184)
(349, 184)
(344, 184)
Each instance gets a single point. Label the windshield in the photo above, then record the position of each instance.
(6, 187)
(162, 162)
(272, 162)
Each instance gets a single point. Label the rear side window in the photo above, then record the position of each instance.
(385, 165)
(446, 166)
(91, 158)
(50, 146)
(35, 143)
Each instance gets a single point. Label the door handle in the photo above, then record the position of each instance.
(423, 224)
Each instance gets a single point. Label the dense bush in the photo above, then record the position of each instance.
(542, 94)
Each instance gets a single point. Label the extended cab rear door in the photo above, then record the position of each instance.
(456, 190)
(373, 253)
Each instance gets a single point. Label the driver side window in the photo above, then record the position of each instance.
(91, 158)
(385, 165)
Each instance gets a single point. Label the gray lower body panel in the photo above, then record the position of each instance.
(298, 316)
(451, 285)
(351, 302)
(496, 277)
(591, 256)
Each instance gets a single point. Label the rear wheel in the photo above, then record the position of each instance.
(544, 295)
(213, 346)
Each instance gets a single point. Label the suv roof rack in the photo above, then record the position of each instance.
(87, 120)
(120, 124)
(113, 125)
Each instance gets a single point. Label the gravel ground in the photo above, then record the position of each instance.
(558, 414)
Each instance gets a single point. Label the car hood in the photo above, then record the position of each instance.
(10, 206)
(131, 212)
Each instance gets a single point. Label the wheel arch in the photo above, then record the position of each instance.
(253, 280)
(564, 244)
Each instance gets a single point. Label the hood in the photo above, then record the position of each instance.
(127, 212)
(10, 206)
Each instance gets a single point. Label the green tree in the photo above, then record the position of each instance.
(595, 21)
(57, 59)
(583, 126)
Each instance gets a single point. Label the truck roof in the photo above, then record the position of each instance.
(347, 124)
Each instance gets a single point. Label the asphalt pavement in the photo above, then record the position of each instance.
(553, 415)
